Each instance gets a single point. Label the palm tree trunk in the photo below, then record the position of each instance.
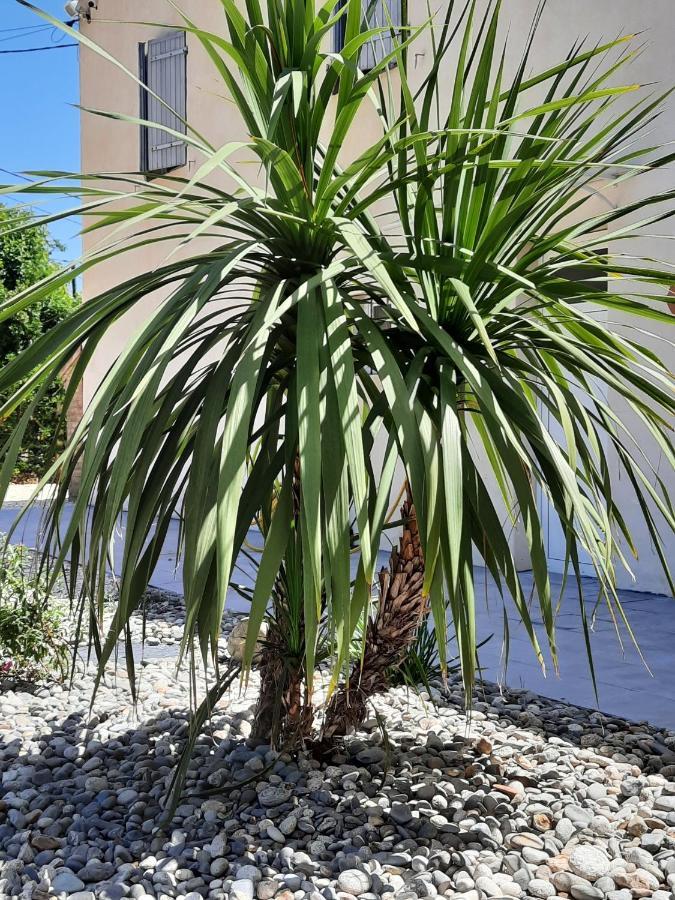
(267, 713)
(401, 608)
(284, 714)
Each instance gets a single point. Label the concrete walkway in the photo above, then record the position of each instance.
(625, 686)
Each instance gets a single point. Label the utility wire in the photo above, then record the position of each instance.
(41, 209)
(14, 37)
(32, 205)
(33, 27)
(23, 28)
(38, 49)
(16, 175)
(31, 33)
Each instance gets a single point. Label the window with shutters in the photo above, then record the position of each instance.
(163, 70)
(376, 14)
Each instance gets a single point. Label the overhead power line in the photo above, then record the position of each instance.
(38, 49)
(23, 28)
(34, 27)
(16, 175)
(32, 205)
(29, 33)
(55, 36)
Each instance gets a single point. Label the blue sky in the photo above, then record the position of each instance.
(40, 127)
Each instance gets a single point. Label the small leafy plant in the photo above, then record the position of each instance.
(422, 663)
(31, 644)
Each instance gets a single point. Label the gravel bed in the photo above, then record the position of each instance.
(526, 799)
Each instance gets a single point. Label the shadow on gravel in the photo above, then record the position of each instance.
(85, 797)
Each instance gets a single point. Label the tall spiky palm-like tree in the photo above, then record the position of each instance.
(414, 297)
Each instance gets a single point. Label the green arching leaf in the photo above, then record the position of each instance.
(574, 101)
(395, 390)
(309, 405)
(464, 296)
(368, 258)
(337, 534)
(238, 426)
(453, 481)
(343, 372)
(273, 553)
(197, 722)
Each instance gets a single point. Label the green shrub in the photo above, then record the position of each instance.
(31, 642)
(25, 259)
(422, 663)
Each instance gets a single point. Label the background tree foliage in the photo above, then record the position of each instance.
(25, 260)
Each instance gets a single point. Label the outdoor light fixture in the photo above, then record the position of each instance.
(81, 9)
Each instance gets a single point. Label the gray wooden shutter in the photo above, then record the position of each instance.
(378, 14)
(166, 76)
(339, 28)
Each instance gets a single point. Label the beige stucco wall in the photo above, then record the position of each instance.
(564, 20)
(114, 147)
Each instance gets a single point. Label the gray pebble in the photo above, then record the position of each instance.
(541, 889)
(589, 862)
(242, 889)
(354, 882)
(67, 882)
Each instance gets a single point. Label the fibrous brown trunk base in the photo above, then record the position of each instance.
(348, 707)
(283, 716)
(267, 707)
(401, 609)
